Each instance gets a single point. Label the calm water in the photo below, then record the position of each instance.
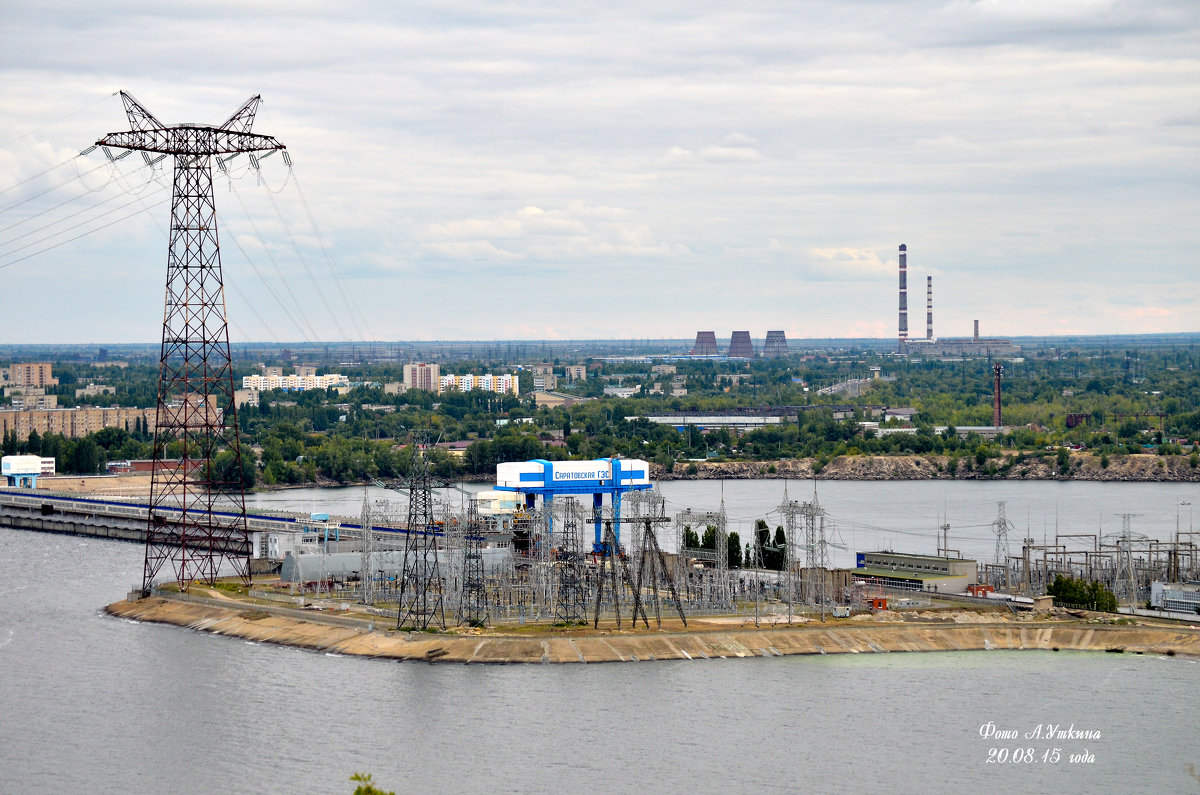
(95, 704)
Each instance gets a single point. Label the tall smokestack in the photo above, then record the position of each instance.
(903, 297)
(977, 331)
(929, 308)
(997, 417)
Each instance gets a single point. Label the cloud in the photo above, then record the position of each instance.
(765, 159)
(731, 154)
(849, 263)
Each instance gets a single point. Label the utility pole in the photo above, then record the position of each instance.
(197, 515)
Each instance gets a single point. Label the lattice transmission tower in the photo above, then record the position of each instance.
(473, 602)
(421, 588)
(570, 607)
(197, 516)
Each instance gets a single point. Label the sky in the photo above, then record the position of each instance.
(560, 171)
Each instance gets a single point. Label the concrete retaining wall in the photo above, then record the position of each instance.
(270, 625)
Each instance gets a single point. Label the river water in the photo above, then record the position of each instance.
(100, 705)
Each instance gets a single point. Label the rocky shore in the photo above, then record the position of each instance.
(1080, 466)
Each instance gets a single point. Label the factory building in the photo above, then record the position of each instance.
(22, 471)
(995, 347)
(1182, 597)
(903, 572)
(929, 346)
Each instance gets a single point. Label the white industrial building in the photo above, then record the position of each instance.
(22, 471)
(1181, 597)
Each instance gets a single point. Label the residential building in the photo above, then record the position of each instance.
(92, 390)
(295, 383)
(545, 382)
(245, 397)
(489, 383)
(576, 372)
(422, 376)
(72, 423)
(40, 401)
(31, 374)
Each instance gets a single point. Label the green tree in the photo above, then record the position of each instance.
(735, 551)
(366, 785)
(84, 458)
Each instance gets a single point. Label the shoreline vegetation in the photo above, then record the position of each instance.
(339, 632)
(1140, 468)
(1135, 468)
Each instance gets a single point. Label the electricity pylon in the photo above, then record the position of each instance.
(197, 516)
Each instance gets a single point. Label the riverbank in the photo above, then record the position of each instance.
(703, 639)
(1009, 466)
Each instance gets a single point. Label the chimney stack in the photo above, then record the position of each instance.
(977, 331)
(929, 308)
(903, 298)
(997, 416)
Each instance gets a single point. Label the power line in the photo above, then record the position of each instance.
(290, 314)
(307, 267)
(84, 234)
(338, 278)
(253, 311)
(16, 185)
(299, 310)
(61, 118)
(137, 198)
(54, 188)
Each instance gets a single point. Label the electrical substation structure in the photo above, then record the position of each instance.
(614, 477)
(195, 416)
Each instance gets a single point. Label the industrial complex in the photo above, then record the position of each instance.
(991, 347)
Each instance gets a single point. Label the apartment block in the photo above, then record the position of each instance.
(422, 376)
(72, 423)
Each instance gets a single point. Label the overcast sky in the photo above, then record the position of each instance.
(526, 170)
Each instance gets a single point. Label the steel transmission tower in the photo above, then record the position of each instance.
(421, 587)
(197, 516)
(473, 603)
(571, 606)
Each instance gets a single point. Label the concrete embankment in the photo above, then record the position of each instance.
(356, 637)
